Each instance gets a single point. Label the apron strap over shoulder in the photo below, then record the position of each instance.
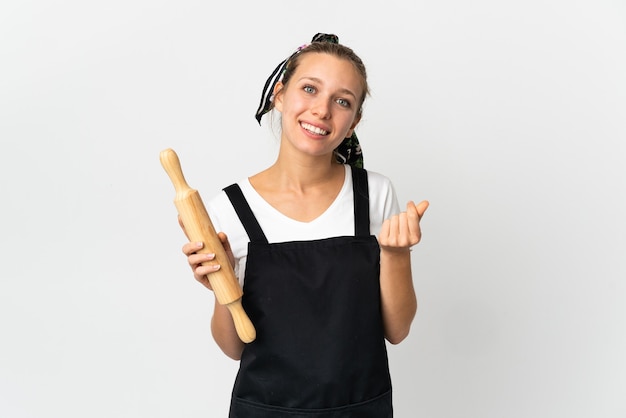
(361, 202)
(249, 221)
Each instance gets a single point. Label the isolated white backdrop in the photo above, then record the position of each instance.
(510, 117)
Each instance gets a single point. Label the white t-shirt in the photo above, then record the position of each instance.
(337, 220)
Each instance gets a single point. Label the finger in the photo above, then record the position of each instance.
(412, 211)
(195, 260)
(403, 231)
(205, 270)
(383, 235)
(413, 223)
(202, 266)
(192, 247)
(394, 222)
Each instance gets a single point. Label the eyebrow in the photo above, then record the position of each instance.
(319, 81)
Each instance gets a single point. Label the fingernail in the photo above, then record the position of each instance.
(215, 267)
(198, 245)
(210, 256)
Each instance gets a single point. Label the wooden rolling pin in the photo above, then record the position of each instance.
(199, 228)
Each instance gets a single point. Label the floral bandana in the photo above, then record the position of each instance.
(349, 151)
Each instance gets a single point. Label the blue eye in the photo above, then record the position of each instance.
(343, 102)
(309, 89)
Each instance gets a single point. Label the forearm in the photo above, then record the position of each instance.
(398, 300)
(224, 332)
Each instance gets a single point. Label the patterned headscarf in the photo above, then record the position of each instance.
(349, 151)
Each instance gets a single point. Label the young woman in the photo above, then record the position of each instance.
(322, 250)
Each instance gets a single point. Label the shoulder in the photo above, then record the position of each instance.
(225, 219)
(380, 188)
(221, 209)
(383, 199)
(378, 182)
(219, 204)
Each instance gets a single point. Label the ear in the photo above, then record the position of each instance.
(356, 121)
(278, 96)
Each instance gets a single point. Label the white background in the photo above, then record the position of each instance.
(510, 117)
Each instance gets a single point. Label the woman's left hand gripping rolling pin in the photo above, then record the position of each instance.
(199, 228)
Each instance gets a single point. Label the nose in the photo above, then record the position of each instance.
(321, 108)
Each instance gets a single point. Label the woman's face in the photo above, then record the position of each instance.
(319, 105)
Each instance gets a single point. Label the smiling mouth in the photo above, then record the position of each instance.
(313, 129)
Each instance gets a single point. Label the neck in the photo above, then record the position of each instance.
(299, 173)
(304, 173)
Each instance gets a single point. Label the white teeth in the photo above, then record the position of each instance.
(313, 129)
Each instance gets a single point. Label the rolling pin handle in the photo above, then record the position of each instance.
(171, 164)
